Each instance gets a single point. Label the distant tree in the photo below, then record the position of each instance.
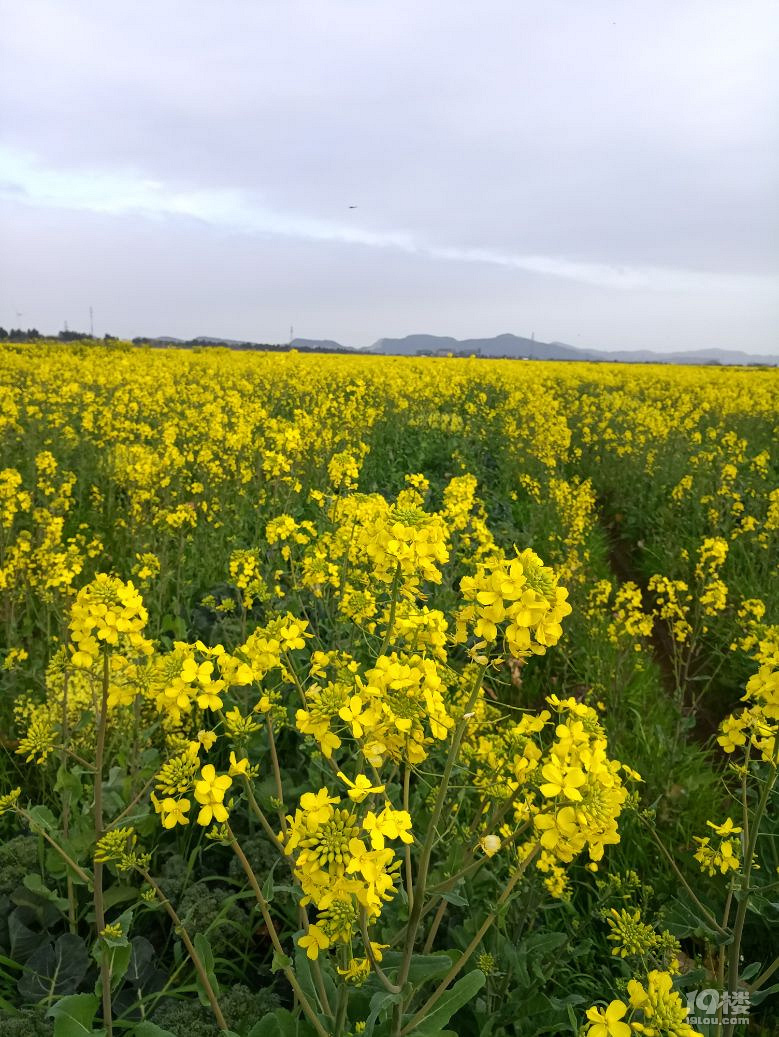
(3, 334)
(72, 336)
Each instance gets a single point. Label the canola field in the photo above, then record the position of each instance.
(387, 696)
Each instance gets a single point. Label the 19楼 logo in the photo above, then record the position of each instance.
(710, 1006)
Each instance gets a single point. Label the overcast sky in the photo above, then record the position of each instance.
(599, 173)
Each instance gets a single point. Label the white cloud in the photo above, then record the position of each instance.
(126, 194)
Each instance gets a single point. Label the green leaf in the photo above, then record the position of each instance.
(8, 1008)
(379, 1002)
(680, 917)
(55, 969)
(206, 955)
(267, 886)
(461, 993)
(119, 894)
(751, 971)
(43, 818)
(118, 961)
(69, 780)
(572, 1019)
(34, 883)
(758, 996)
(280, 961)
(424, 967)
(74, 1015)
(280, 1023)
(141, 957)
(48, 906)
(150, 1030)
(456, 899)
(302, 965)
(24, 940)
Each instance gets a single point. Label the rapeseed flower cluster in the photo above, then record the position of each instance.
(756, 725)
(343, 861)
(107, 615)
(654, 1009)
(516, 601)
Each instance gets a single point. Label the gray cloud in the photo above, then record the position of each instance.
(601, 173)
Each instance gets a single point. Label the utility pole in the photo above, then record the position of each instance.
(291, 334)
(91, 323)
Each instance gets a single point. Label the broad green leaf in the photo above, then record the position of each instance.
(74, 1015)
(55, 969)
(206, 955)
(140, 961)
(424, 967)
(456, 899)
(24, 940)
(43, 818)
(460, 994)
(281, 1023)
(280, 961)
(150, 1030)
(69, 780)
(379, 1002)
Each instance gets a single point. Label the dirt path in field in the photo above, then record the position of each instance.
(621, 557)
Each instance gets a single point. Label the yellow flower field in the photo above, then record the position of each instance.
(362, 694)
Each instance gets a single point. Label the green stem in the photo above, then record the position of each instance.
(199, 967)
(704, 911)
(464, 958)
(71, 892)
(97, 892)
(764, 976)
(393, 607)
(743, 904)
(269, 925)
(343, 999)
(427, 847)
(276, 774)
(383, 977)
(34, 826)
(439, 917)
(409, 875)
(257, 809)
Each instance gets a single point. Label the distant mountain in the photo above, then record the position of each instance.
(440, 345)
(517, 347)
(509, 346)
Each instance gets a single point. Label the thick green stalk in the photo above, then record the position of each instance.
(703, 910)
(465, 957)
(85, 878)
(270, 926)
(195, 957)
(343, 997)
(393, 607)
(97, 893)
(276, 774)
(743, 903)
(427, 847)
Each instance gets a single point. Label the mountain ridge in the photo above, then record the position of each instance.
(506, 345)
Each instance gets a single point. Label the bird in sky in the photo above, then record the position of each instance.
(352, 206)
